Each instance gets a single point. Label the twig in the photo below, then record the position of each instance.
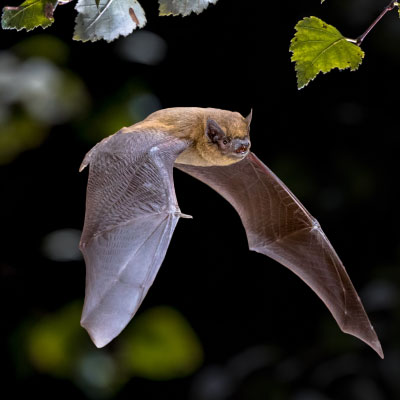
(389, 7)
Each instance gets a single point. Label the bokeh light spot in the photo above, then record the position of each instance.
(62, 245)
(142, 105)
(159, 344)
(53, 341)
(143, 47)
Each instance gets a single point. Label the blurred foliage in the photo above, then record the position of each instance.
(130, 104)
(159, 345)
(44, 46)
(28, 109)
(62, 245)
(143, 47)
(36, 94)
(55, 342)
(19, 132)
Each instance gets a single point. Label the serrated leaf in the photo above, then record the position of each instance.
(29, 15)
(319, 47)
(107, 19)
(183, 7)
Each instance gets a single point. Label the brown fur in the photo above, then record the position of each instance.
(190, 123)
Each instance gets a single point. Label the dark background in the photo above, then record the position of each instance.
(335, 143)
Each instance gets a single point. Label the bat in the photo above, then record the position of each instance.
(132, 211)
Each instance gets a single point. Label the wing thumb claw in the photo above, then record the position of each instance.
(184, 215)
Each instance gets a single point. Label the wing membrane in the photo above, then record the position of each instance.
(279, 226)
(131, 213)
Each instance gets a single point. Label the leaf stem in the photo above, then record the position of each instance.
(389, 7)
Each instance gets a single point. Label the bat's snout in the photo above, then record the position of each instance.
(241, 147)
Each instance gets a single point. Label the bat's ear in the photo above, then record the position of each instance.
(249, 117)
(214, 131)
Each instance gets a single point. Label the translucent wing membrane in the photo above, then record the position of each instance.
(279, 226)
(131, 213)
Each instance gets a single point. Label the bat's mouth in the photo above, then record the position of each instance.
(241, 147)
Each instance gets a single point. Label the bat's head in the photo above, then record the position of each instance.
(227, 137)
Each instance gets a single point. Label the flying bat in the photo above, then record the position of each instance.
(132, 211)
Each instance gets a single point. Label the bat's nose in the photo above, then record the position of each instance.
(242, 146)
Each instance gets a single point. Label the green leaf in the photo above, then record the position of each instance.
(183, 7)
(319, 47)
(29, 15)
(107, 19)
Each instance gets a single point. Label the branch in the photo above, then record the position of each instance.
(389, 7)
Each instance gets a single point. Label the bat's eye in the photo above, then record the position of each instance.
(224, 144)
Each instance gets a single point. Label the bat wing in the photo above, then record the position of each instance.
(131, 213)
(279, 226)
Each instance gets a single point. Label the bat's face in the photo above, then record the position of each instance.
(233, 143)
(228, 139)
